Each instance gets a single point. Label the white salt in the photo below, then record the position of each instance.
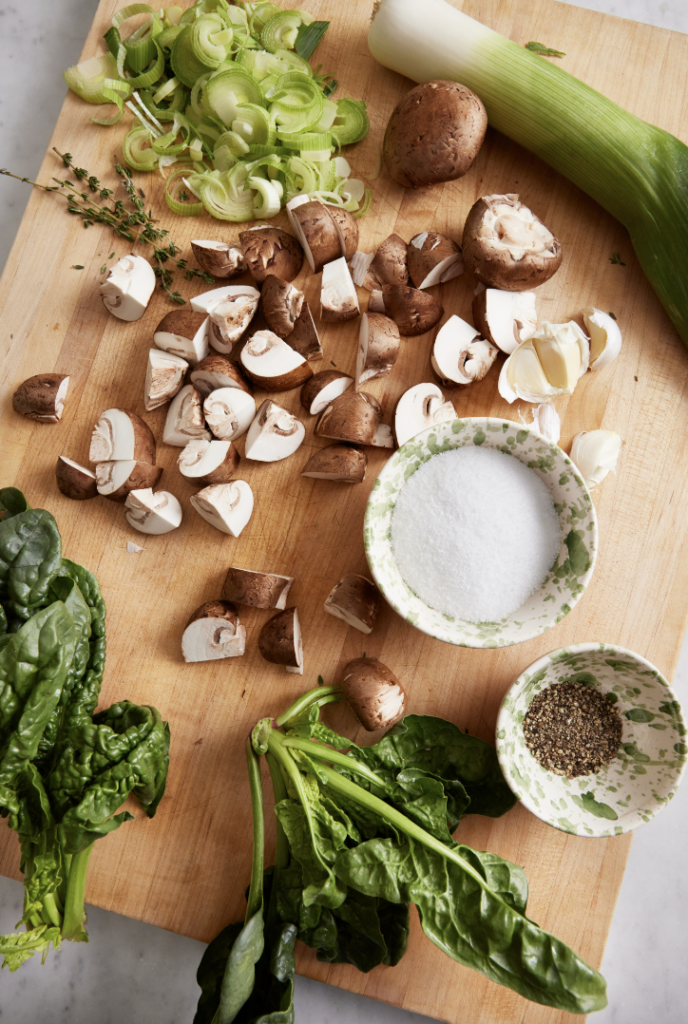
(475, 533)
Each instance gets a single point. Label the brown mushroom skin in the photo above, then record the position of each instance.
(373, 693)
(338, 462)
(353, 416)
(255, 589)
(216, 362)
(271, 250)
(216, 610)
(318, 381)
(413, 311)
(434, 134)
(358, 596)
(226, 262)
(277, 641)
(185, 323)
(495, 267)
(304, 339)
(74, 481)
(320, 233)
(383, 347)
(36, 397)
(348, 226)
(389, 265)
(142, 475)
(422, 260)
(281, 304)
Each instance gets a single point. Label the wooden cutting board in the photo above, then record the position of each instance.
(186, 870)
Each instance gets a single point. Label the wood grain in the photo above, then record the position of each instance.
(186, 870)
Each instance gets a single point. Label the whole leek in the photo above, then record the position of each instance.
(637, 172)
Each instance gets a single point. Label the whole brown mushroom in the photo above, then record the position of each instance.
(434, 134)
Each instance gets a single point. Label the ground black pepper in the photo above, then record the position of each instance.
(572, 729)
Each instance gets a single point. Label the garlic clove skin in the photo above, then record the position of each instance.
(546, 421)
(595, 453)
(549, 363)
(605, 337)
(522, 376)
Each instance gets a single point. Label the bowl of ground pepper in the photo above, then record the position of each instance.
(592, 740)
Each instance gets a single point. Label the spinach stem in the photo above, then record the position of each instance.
(74, 913)
(334, 757)
(254, 903)
(282, 755)
(319, 696)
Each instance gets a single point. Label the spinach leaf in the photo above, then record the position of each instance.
(30, 556)
(12, 502)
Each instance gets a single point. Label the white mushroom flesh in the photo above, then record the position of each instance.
(298, 648)
(204, 302)
(359, 265)
(338, 294)
(511, 317)
(164, 378)
(200, 457)
(113, 437)
(185, 418)
(151, 512)
(274, 434)
(128, 288)
(328, 394)
(267, 356)
(110, 476)
(516, 230)
(209, 639)
(192, 349)
(229, 412)
(231, 317)
(459, 355)
(420, 407)
(227, 507)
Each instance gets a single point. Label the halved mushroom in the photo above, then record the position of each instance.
(152, 513)
(279, 641)
(217, 371)
(373, 693)
(347, 229)
(164, 378)
(433, 259)
(121, 435)
(42, 397)
(230, 317)
(316, 231)
(353, 416)
(184, 333)
(338, 298)
(337, 462)
(420, 407)
(356, 601)
(220, 259)
(378, 347)
(213, 632)
(272, 364)
(204, 302)
(185, 418)
(376, 302)
(115, 480)
(413, 311)
(274, 434)
(507, 246)
(305, 339)
(208, 462)
(505, 318)
(281, 304)
(270, 250)
(128, 287)
(389, 265)
(227, 507)
(75, 481)
(256, 589)
(460, 356)
(323, 388)
(229, 413)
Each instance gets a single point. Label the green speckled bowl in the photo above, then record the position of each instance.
(643, 777)
(570, 573)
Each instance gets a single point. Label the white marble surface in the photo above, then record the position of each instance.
(134, 973)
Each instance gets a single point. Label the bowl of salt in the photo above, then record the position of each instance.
(481, 532)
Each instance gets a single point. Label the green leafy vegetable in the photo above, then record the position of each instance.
(544, 51)
(64, 771)
(308, 37)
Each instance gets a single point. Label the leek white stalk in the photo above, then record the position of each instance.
(638, 172)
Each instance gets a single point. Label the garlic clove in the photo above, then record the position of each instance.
(595, 453)
(549, 363)
(522, 376)
(605, 337)
(546, 421)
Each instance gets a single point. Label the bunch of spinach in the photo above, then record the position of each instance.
(362, 833)
(64, 769)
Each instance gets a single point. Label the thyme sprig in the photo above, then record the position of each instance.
(128, 219)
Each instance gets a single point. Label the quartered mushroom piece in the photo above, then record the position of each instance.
(185, 418)
(280, 303)
(338, 298)
(384, 438)
(270, 250)
(373, 693)
(121, 435)
(340, 463)
(378, 347)
(42, 397)
(354, 416)
(229, 413)
(316, 231)
(213, 632)
(323, 388)
(279, 641)
(460, 356)
(376, 302)
(433, 259)
(272, 364)
(227, 507)
(356, 601)
(184, 333)
(208, 462)
(152, 512)
(115, 480)
(256, 589)
(164, 378)
(413, 311)
(274, 434)
(75, 481)
(220, 259)
(420, 407)
(231, 309)
(128, 287)
(217, 371)
(387, 265)
(505, 318)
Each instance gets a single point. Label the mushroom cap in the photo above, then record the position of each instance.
(378, 347)
(337, 462)
(128, 287)
(352, 416)
(279, 641)
(304, 338)
(338, 298)
(507, 246)
(432, 259)
(184, 333)
(316, 228)
(164, 378)
(434, 134)
(229, 412)
(219, 259)
(75, 481)
(115, 480)
(256, 589)
(218, 371)
(420, 407)
(281, 304)
(389, 264)
(347, 229)
(320, 390)
(227, 507)
(413, 311)
(275, 434)
(459, 355)
(373, 693)
(121, 435)
(272, 364)
(184, 419)
(270, 250)
(356, 601)
(42, 397)
(212, 632)
(208, 462)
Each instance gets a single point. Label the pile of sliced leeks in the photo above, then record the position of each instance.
(226, 92)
